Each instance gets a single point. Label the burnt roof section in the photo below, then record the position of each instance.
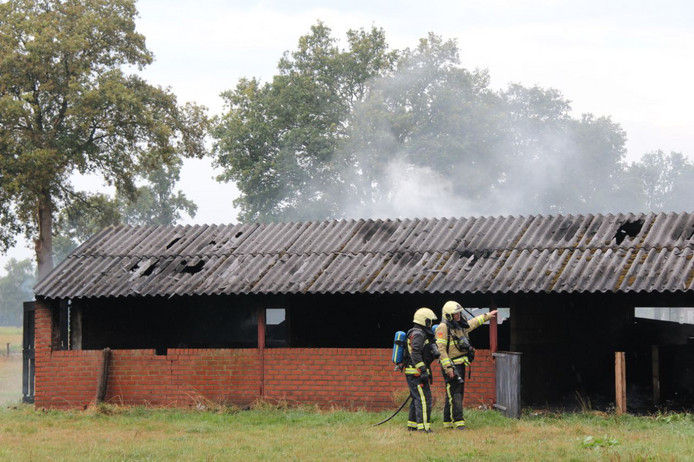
(496, 255)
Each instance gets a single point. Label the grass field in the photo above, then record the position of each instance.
(272, 433)
(13, 336)
(10, 368)
(276, 433)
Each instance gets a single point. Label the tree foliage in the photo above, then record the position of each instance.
(278, 139)
(663, 182)
(68, 105)
(512, 151)
(16, 287)
(428, 113)
(422, 136)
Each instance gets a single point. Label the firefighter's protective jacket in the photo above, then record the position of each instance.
(420, 356)
(452, 351)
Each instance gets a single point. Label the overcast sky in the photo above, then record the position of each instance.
(631, 60)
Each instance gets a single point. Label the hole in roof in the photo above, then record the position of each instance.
(192, 269)
(466, 254)
(212, 242)
(238, 234)
(474, 255)
(149, 270)
(628, 228)
(173, 242)
(135, 266)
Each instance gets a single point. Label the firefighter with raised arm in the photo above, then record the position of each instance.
(453, 343)
(422, 351)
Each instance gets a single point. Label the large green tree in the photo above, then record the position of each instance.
(427, 119)
(68, 105)
(278, 139)
(556, 163)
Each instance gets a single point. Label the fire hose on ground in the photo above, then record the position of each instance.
(394, 413)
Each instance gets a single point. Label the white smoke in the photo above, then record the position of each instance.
(414, 191)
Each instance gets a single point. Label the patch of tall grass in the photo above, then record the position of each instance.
(272, 432)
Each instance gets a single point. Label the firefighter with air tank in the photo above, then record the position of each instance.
(456, 353)
(421, 352)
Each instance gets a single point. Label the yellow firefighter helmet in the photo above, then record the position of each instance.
(449, 309)
(424, 317)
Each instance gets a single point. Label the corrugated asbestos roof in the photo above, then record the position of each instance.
(583, 253)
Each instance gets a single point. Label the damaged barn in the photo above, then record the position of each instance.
(232, 313)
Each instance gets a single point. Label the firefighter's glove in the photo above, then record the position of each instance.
(424, 377)
(466, 361)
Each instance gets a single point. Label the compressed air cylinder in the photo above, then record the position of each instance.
(399, 345)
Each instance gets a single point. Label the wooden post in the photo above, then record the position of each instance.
(493, 324)
(261, 349)
(102, 383)
(620, 382)
(493, 333)
(76, 327)
(8, 349)
(655, 365)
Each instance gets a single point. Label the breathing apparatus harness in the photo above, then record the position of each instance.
(401, 356)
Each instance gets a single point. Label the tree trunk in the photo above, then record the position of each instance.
(43, 245)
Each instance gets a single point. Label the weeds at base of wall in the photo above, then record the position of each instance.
(398, 396)
(584, 403)
(278, 405)
(668, 417)
(105, 409)
(481, 405)
(111, 409)
(203, 404)
(285, 405)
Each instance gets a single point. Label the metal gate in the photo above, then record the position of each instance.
(28, 357)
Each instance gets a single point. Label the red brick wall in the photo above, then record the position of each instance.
(356, 378)
(350, 378)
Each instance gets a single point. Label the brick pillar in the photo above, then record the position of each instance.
(43, 332)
